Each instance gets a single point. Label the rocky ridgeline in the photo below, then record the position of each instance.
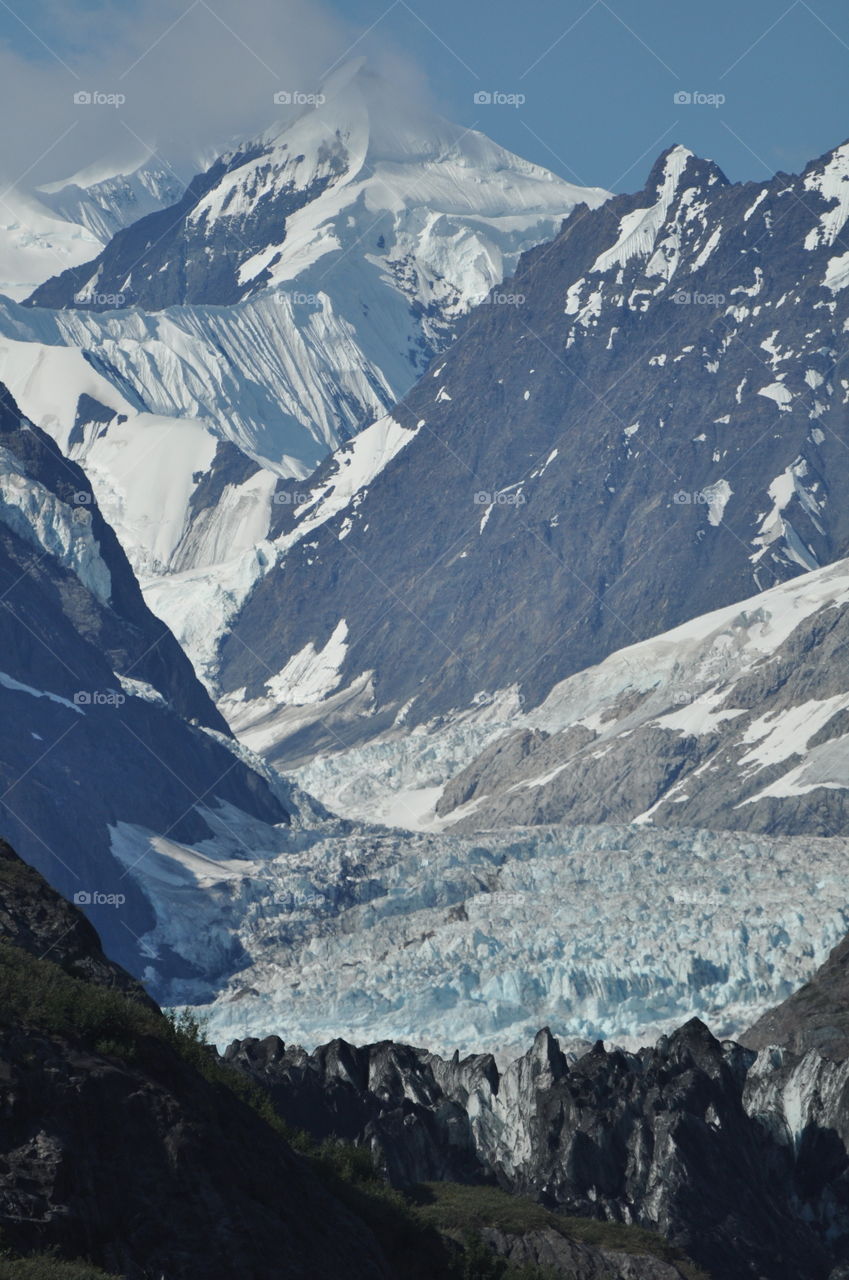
(655, 429)
(737, 1156)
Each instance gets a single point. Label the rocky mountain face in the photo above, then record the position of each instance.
(117, 744)
(647, 423)
(735, 720)
(740, 1160)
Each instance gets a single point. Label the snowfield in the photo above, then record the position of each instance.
(36, 243)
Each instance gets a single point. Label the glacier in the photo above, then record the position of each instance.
(612, 933)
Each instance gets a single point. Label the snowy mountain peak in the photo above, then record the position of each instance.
(829, 177)
(380, 121)
(284, 303)
(104, 197)
(678, 167)
(441, 213)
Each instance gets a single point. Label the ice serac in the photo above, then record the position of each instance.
(473, 943)
(113, 730)
(657, 430)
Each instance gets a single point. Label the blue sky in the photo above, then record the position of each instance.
(602, 95)
(598, 77)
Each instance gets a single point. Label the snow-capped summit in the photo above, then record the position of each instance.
(292, 294)
(306, 278)
(365, 179)
(103, 198)
(434, 195)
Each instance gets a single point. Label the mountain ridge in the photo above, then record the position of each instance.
(571, 486)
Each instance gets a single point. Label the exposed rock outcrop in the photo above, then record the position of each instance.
(740, 1161)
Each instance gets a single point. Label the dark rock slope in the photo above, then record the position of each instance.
(36, 919)
(107, 727)
(116, 1148)
(814, 1017)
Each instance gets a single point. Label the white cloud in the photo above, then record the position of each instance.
(197, 76)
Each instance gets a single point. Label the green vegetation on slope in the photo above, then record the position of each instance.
(49, 1268)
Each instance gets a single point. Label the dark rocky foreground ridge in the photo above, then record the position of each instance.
(692, 1137)
(126, 1142)
(738, 1157)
